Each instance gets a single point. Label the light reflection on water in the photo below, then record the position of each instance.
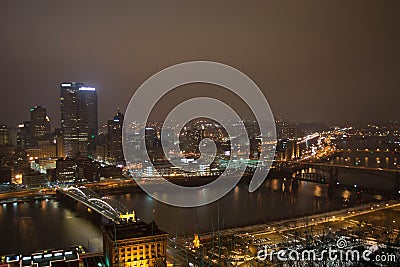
(317, 191)
(368, 159)
(36, 225)
(277, 199)
(51, 225)
(346, 194)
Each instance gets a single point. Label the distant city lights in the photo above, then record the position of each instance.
(84, 88)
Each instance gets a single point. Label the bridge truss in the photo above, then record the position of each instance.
(106, 206)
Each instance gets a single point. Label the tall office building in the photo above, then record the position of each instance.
(286, 130)
(23, 135)
(7, 150)
(287, 149)
(59, 140)
(151, 138)
(4, 135)
(115, 153)
(39, 125)
(78, 119)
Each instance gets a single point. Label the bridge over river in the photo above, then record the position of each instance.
(375, 180)
(105, 206)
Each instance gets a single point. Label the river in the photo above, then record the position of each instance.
(30, 226)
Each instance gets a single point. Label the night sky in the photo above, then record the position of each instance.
(314, 60)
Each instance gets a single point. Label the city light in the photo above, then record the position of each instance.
(87, 89)
(89, 177)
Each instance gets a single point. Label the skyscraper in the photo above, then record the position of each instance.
(4, 135)
(114, 139)
(286, 130)
(23, 135)
(39, 125)
(78, 119)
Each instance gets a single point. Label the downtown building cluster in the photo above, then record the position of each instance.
(33, 155)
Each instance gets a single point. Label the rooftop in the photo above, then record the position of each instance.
(132, 229)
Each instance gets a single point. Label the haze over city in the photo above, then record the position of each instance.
(295, 164)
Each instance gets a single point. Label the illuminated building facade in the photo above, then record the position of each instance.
(134, 244)
(287, 150)
(44, 149)
(78, 119)
(23, 135)
(66, 170)
(59, 140)
(43, 165)
(115, 153)
(39, 125)
(56, 258)
(151, 138)
(286, 130)
(4, 135)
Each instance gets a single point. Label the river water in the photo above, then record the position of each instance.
(30, 226)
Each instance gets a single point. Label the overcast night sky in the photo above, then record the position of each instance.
(314, 60)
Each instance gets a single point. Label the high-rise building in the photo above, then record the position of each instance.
(7, 150)
(59, 140)
(23, 135)
(78, 119)
(286, 130)
(287, 149)
(4, 135)
(39, 125)
(151, 139)
(101, 144)
(114, 139)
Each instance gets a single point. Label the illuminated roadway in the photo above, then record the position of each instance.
(342, 166)
(26, 193)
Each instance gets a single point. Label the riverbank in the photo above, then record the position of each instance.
(260, 229)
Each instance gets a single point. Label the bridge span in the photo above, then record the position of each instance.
(304, 164)
(105, 206)
(327, 173)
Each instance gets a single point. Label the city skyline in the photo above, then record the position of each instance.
(209, 133)
(55, 124)
(351, 62)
